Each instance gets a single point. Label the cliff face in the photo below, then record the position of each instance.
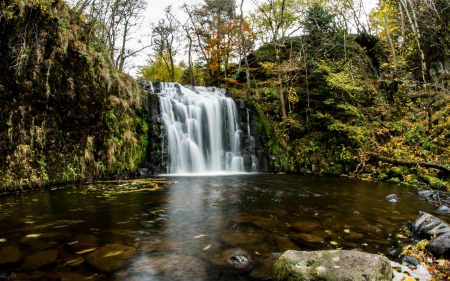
(66, 113)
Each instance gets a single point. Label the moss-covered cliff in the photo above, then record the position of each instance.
(66, 113)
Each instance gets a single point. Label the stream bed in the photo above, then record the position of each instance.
(194, 228)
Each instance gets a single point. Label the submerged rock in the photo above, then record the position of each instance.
(391, 196)
(231, 259)
(443, 209)
(9, 255)
(40, 259)
(410, 261)
(332, 265)
(110, 257)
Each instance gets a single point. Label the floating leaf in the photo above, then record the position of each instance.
(157, 211)
(337, 266)
(3, 240)
(122, 222)
(199, 236)
(399, 235)
(347, 230)
(256, 252)
(72, 243)
(33, 235)
(334, 243)
(113, 253)
(30, 222)
(207, 247)
(328, 232)
(316, 214)
(86, 251)
(75, 262)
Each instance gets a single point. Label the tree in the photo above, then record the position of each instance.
(114, 21)
(164, 34)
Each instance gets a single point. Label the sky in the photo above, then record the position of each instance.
(155, 11)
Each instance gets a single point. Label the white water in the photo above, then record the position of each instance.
(202, 130)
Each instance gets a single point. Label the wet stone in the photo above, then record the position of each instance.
(159, 245)
(307, 239)
(110, 257)
(263, 266)
(232, 259)
(305, 226)
(72, 276)
(443, 209)
(285, 244)
(40, 259)
(410, 261)
(9, 255)
(353, 236)
(242, 238)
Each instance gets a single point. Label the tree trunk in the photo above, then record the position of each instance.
(409, 164)
(244, 50)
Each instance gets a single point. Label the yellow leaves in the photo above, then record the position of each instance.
(86, 251)
(113, 253)
(207, 247)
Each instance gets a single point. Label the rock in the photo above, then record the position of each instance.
(443, 209)
(308, 239)
(40, 259)
(242, 238)
(110, 257)
(331, 265)
(395, 252)
(72, 276)
(410, 261)
(353, 236)
(440, 246)
(262, 269)
(305, 226)
(9, 255)
(391, 196)
(393, 201)
(428, 225)
(231, 259)
(285, 244)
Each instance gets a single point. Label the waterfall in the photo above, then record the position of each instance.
(202, 130)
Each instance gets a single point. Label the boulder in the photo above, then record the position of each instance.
(40, 259)
(109, 258)
(440, 245)
(428, 225)
(9, 255)
(443, 209)
(331, 265)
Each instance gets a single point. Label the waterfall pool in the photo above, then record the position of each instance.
(188, 227)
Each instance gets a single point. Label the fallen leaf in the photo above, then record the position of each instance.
(334, 243)
(113, 253)
(347, 230)
(72, 243)
(157, 211)
(3, 240)
(256, 252)
(207, 247)
(86, 251)
(33, 235)
(199, 236)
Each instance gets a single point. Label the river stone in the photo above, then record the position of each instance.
(285, 244)
(353, 236)
(72, 276)
(332, 265)
(9, 255)
(262, 269)
(230, 259)
(308, 239)
(305, 226)
(443, 209)
(391, 196)
(410, 261)
(440, 245)
(242, 238)
(428, 225)
(116, 256)
(40, 259)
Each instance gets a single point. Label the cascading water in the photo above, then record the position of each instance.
(202, 130)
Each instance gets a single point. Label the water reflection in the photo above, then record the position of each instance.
(198, 228)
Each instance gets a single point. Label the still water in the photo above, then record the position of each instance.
(187, 228)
